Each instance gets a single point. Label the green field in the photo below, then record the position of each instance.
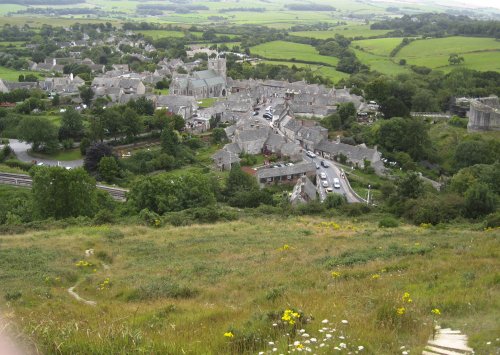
(12, 74)
(63, 155)
(288, 51)
(322, 70)
(179, 290)
(479, 53)
(348, 31)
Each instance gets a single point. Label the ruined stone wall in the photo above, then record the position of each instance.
(484, 114)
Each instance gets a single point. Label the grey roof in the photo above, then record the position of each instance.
(225, 157)
(253, 134)
(275, 140)
(300, 168)
(304, 191)
(290, 149)
(175, 100)
(233, 148)
(205, 74)
(353, 153)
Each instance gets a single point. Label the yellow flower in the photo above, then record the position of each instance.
(406, 298)
(228, 335)
(290, 316)
(436, 311)
(335, 274)
(375, 276)
(400, 311)
(300, 346)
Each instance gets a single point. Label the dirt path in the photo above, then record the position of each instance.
(76, 296)
(449, 342)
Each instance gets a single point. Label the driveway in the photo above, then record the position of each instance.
(21, 151)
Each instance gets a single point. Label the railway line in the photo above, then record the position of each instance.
(23, 180)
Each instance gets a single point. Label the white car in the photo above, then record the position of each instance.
(310, 154)
(336, 183)
(325, 183)
(323, 176)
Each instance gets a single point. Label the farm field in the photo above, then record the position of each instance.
(174, 290)
(382, 64)
(348, 31)
(289, 51)
(379, 46)
(479, 53)
(322, 70)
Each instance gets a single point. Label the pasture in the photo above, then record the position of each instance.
(349, 31)
(379, 46)
(288, 51)
(13, 75)
(226, 288)
(322, 70)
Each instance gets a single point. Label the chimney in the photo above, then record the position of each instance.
(71, 76)
(54, 62)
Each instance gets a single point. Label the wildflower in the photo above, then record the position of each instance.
(400, 311)
(335, 274)
(406, 298)
(344, 321)
(436, 311)
(343, 345)
(324, 321)
(296, 343)
(290, 316)
(271, 343)
(229, 335)
(375, 276)
(300, 346)
(328, 335)
(360, 347)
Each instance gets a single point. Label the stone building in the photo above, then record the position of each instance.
(484, 114)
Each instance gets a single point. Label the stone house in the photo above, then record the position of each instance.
(288, 174)
(303, 192)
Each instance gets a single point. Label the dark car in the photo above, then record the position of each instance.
(268, 116)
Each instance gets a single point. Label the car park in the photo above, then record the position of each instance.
(322, 176)
(324, 164)
(336, 183)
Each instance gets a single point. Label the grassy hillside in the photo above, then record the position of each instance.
(349, 31)
(327, 72)
(181, 290)
(288, 51)
(379, 46)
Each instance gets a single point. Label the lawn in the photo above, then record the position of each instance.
(12, 74)
(208, 102)
(62, 155)
(179, 290)
(289, 51)
(348, 31)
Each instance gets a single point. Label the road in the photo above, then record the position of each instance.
(21, 151)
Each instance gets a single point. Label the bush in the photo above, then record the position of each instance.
(104, 216)
(435, 209)
(388, 222)
(334, 200)
(162, 288)
(492, 220)
(12, 296)
(14, 163)
(150, 218)
(356, 209)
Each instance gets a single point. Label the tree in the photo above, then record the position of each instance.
(425, 101)
(71, 125)
(218, 135)
(394, 107)
(170, 142)
(334, 200)
(61, 193)
(94, 155)
(112, 122)
(86, 94)
(131, 123)
(39, 132)
(56, 100)
(479, 201)
(473, 152)
(347, 113)
(410, 186)
(455, 59)
(108, 169)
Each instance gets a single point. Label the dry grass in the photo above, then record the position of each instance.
(178, 290)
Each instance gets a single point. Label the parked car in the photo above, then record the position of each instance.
(310, 154)
(268, 116)
(325, 183)
(324, 164)
(255, 113)
(336, 183)
(322, 176)
(329, 190)
(317, 166)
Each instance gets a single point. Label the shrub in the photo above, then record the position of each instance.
(356, 209)
(105, 257)
(435, 209)
(162, 288)
(334, 200)
(14, 163)
(479, 201)
(150, 218)
(388, 222)
(104, 216)
(13, 296)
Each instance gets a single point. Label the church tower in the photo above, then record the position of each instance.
(218, 65)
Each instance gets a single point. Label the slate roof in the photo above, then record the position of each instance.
(300, 168)
(353, 153)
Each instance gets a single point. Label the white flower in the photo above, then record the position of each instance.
(313, 340)
(344, 321)
(341, 337)
(321, 345)
(324, 321)
(307, 342)
(275, 349)
(405, 353)
(328, 335)
(361, 347)
(261, 353)
(271, 343)
(343, 345)
(305, 335)
(488, 343)
(275, 324)
(337, 348)
(321, 330)
(296, 342)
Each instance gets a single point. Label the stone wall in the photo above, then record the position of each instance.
(484, 114)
